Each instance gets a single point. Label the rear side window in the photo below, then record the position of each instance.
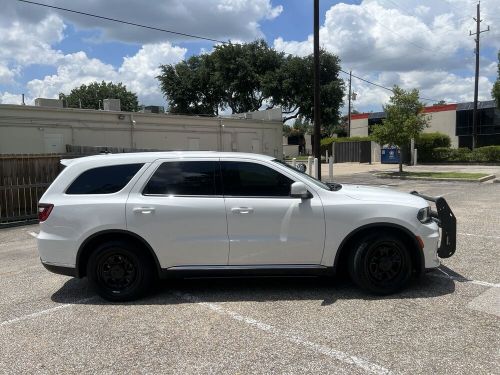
(104, 180)
(184, 178)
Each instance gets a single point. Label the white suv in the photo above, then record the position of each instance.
(125, 220)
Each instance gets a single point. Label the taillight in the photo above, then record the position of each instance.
(44, 210)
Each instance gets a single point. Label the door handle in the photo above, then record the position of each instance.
(144, 210)
(242, 210)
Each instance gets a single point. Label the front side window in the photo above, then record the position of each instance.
(103, 180)
(244, 179)
(184, 178)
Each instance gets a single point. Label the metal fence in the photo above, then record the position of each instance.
(353, 152)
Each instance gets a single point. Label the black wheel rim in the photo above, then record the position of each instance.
(117, 271)
(385, 262)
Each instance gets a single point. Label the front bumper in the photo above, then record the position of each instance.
(447, 221)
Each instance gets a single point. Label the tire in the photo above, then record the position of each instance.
(119, 271)
(381, 264)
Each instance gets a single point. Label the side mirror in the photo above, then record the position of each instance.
(299, 190)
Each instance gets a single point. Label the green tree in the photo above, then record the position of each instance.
(404, 120)
(496, 87)
(91, 96)
(292, 88)
(248, 77)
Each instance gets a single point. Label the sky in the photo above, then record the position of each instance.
(422, 44)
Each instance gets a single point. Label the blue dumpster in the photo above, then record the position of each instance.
(390, 155)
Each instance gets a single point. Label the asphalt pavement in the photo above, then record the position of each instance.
(446, 322)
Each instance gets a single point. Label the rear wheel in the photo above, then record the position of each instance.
(381, 264)
(119, 272)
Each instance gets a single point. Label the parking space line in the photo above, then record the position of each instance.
(478, 235)
(43, 312)
(444, 275)
(289, 336)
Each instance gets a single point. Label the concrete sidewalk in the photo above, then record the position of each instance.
(347, 169)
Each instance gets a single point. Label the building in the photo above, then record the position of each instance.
(49, 129)
(454, 120)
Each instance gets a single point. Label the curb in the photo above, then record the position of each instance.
(478, 180)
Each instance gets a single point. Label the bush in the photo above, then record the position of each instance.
(440, 153)
(352, 139)
(487, 153)
(481, 154)
(326, 144)
(427, 142)
(460, 154)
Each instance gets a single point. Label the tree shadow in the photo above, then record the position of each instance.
(261, 289)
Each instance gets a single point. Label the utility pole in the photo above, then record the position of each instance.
(349, 107)
(476, 82)
(317, 121)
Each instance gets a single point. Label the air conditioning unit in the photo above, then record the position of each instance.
(111, 105)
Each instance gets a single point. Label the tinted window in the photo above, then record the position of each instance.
(104, 180)
(184, 178)
(253, 180)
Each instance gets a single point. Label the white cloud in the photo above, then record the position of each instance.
(218, 19)
(26, 45)
(137, 72)
(420, 44)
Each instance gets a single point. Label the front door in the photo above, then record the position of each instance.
(180, 212)
(265, 225)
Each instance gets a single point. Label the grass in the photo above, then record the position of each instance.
(458, 175)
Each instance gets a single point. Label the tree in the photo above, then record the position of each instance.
(496, 87)
(292, 88)
(249, 77)
(404, 120)
(89, 96)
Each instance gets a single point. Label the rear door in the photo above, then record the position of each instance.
(179, 209)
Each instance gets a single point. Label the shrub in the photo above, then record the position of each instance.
(353, 139)
(441, 153)
(326, 144)
(487, 153)
(427, 142)
(460, 154)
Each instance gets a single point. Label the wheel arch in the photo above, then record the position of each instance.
(86, 247)
(345, 246)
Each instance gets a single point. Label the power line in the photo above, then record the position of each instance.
(124, 22)
(182, 34)
(383, 87)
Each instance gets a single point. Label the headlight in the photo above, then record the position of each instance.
(424, 215)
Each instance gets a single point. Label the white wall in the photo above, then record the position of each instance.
(29, 129)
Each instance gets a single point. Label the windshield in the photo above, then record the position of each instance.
(305, 175)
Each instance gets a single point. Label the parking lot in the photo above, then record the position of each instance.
(448, 321)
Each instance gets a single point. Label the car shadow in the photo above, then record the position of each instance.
(262, 289)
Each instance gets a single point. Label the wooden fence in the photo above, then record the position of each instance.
(23, 180)
(25, 177)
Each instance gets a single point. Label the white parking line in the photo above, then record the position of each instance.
(289, 336)
(444, 275)
(478, 235)
(33, 234)
(43, 312)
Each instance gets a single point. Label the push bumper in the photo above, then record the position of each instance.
(447, 221)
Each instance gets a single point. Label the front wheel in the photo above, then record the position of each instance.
(119, 272)
(381, 264)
